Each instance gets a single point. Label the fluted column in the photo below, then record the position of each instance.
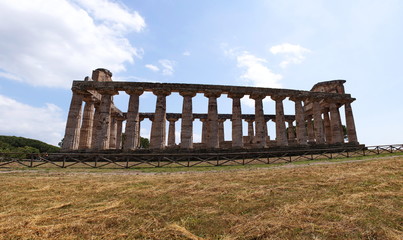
(132, 122)
(72, 133)
(119, 133)
(212, 119)
(171, 131)
(87, 124)
(158, 128)
(237, 134)
(291, 133)
(260, 123)
(335, 123)
(310, 129)
(281, 134)
(204, 130)
(327, 125)
(300, 121)
(102, 141)
(113, 132)
(318, 122)
(350, 125)
(187, 120)
(221, 136)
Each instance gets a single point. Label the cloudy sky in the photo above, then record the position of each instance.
(45, 44)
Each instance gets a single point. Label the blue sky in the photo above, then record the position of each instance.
(45, 44)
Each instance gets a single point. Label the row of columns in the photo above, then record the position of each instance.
(98, 129)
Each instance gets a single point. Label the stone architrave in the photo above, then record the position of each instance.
(87, 124)
(171, 131)
(132, 123)
(212, 119)
(119, 133)
(72, 133)
(158, 127)
(291, 133)
(260, 123)
(328, 127)
(221, 137)
(102, 141)
(318, 122)
(187, 120)
(237, 141)
(113, 132)
(335, 123)
(350, 125)
(281, 134)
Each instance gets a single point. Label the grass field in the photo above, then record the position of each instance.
(342, 200)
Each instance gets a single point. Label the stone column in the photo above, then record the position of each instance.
(335, 123)
(300, 121)
(260, 127)
(132, 122)
(88, 122)
(204, 130)
(171, 131)
(318, 122)
(310, 129)
(221, 137)
(138, 132)
(113, 132)
(72, 133)
(281, 134)
(291, 133)
(350, 125)
(212, 119)
(237, 141)
(119, 133)
(102, 141)
(187, 120)
(327, 125)
(96, 126)
(158, 128)
(251, 130)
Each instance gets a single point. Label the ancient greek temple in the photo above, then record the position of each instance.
(95, 124)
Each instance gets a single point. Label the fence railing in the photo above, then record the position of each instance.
(141, 160)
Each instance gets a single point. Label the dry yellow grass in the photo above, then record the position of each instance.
(361, 200)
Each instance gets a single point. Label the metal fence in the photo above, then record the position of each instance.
(189, 159)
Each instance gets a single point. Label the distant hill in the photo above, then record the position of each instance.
(21, 144)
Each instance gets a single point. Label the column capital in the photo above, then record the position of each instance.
(214, 94)
(172, 119)
(222, 120)
(257, 96)
(135, 91)
(162, 92)
(235, 95)
(108, 92)
(278, 97)
(89, 98)
(249, 120)
(187, 93)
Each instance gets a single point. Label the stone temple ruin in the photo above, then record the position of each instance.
(98, 125)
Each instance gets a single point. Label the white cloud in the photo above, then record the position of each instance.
(9, 76)
(186, 53)
(167, 66)
(152, 67)
(43, 123)
(292, 53)
(256, 71)
(50, 43)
